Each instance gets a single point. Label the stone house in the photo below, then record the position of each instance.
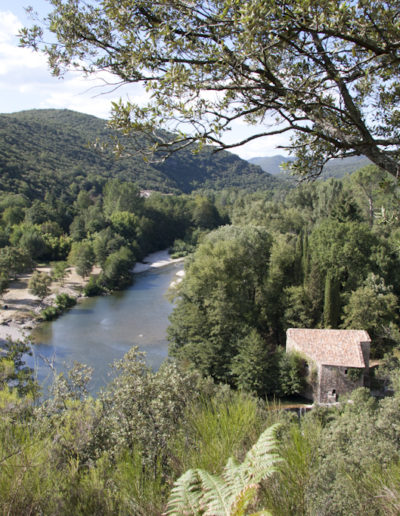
(338, 360)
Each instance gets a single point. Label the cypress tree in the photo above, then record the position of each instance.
(331, 302)
(305, 259)
(298, 264)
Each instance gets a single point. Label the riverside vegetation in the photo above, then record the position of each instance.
(319, 255)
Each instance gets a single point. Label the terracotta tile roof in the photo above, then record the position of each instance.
(331, 347)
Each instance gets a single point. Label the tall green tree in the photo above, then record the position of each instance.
(332, 308)
(117, 271)
(344, 249)
(282, 273)
(373, 307)
(14, 261)
(300, 310)
(221, 298)
(105, 243)
(119, 196)
(205, 214)
(255, 367)
(82, 256)
(29, 238)
(125, 224)
(316, 67)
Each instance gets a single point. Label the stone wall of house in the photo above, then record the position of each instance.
(334, 382)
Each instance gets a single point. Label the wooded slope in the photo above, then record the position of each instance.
(52, 150)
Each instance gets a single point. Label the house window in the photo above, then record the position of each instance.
(345, 371)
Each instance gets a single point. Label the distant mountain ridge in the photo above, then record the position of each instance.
(334, 168)
(48, 150)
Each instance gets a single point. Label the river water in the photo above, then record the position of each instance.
(102, 329)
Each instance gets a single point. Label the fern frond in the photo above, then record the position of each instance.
(260, 460)
(234, 476)
(243, 499)
(210, 495)
(185, 496)
(217, 497)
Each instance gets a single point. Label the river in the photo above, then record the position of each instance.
(100, 330)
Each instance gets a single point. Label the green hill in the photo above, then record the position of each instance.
(51, 151)
(334, 168)
(271, 164)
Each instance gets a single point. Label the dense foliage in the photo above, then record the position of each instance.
(121, 453)
(105, 222)
(324, 256)
(61, 152)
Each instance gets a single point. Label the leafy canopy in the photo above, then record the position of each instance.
(327, 72)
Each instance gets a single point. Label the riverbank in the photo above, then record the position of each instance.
(155, 260)
(22, 308)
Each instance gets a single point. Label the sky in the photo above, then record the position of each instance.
(26, 83)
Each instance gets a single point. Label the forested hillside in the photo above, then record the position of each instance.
(334, 168)
(52, 151)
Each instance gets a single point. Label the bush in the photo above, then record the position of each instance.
(292, 374)
(93, 287)
(64, 301)
(39, 284)
(181, 248)
(50, 313)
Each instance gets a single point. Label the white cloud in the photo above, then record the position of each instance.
(9, 26)
(13, 57)
(26, 81)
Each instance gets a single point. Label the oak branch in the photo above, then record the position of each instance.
(326, 71)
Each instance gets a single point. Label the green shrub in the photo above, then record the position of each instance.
(50, 313)
(217, 428)
(64, 301)
(93, 287)
(182, 248)
(292, 373)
